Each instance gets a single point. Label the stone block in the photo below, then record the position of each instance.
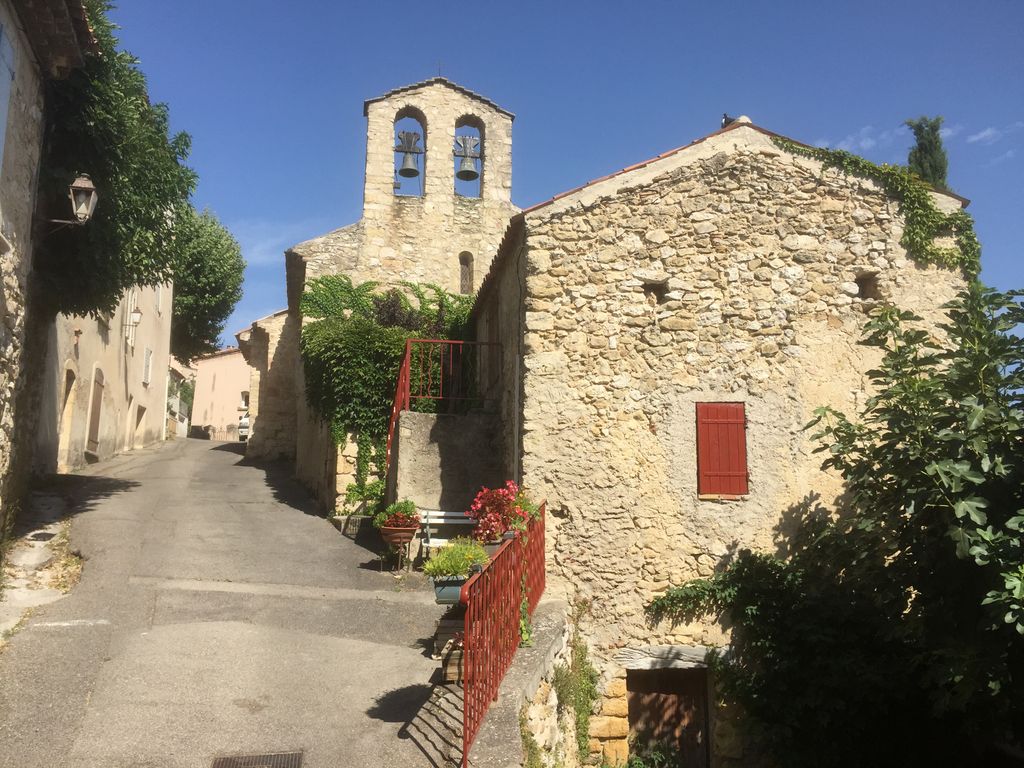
(617, 707)
(616, 752)
(603, 727)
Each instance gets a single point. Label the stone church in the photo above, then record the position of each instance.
(432, 227)
(666, 331)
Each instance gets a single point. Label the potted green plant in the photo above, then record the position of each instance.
(398, 522)
(450, 566)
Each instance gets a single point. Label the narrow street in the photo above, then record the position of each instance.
(218, 615)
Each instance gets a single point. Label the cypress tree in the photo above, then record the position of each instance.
(928, 157)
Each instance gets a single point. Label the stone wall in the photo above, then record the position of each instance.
(726, 272)
(271, 347)
(18, 170)
(499, 320)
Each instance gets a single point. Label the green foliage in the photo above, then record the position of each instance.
(208, 274)
(924, 222)
(398, 514)
(101, 122)
(352, 352)
(525, 625)
(927, 157)
(650, 756)
(456, 558)
(187, 393)
(369, 496)
(575, 686)
(894, 627)
(531, 749)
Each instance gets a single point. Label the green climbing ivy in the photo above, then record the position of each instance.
(351, 354)
(924, 222)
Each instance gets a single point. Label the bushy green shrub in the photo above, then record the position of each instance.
(894, 624)
(456, 558)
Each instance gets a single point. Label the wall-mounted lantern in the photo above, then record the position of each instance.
(83, 196)
(134, 318)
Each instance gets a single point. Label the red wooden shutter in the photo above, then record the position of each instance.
(721, 449)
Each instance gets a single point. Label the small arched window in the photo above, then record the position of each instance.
(466, 272)
(410, 134)
(469, 156)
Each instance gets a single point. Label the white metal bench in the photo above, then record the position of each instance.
(433, 520)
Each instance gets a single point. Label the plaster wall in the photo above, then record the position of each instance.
(222, 386)
(19, 168)
(728, 272)
(443, 459)
(83, 350)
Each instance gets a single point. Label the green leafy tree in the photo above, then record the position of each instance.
(928, 157)
(892, 632)
(208, 273)
(100, 121)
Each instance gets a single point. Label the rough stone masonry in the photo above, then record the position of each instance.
(728, 271)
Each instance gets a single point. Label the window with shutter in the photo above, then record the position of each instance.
(147, 366)
(721, 449)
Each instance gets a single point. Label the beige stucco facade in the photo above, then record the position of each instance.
(222, 393)
(105, 389)
(728, 271)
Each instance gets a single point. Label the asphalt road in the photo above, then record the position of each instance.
(218, 615)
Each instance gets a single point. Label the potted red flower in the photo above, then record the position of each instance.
(499, 510)
(398, 522)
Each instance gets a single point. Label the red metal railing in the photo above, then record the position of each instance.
(491, 635)
(438, 370)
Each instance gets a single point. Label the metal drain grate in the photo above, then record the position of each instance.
(276, 760)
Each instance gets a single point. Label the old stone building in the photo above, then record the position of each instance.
(421, 222)
(38, 41)
(681, 320)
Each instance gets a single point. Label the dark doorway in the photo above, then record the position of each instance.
(668, 708)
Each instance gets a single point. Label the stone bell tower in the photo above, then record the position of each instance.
(431, 226)
(436, 194)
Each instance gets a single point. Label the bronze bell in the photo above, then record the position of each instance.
(467, 170)
(409, 170)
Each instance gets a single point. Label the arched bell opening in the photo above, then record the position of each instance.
(410, 135)
(468, 155)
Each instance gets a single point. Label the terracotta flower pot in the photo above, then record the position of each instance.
(398, 537)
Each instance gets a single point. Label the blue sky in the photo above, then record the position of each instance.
(272, 94)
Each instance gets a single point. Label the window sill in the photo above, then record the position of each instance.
(721, 497)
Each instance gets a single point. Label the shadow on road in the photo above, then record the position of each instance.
(431, 717)
(61, 497)
(278, 478)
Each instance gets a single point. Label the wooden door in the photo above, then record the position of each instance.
(669, 707)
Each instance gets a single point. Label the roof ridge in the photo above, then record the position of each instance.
(436, 80)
